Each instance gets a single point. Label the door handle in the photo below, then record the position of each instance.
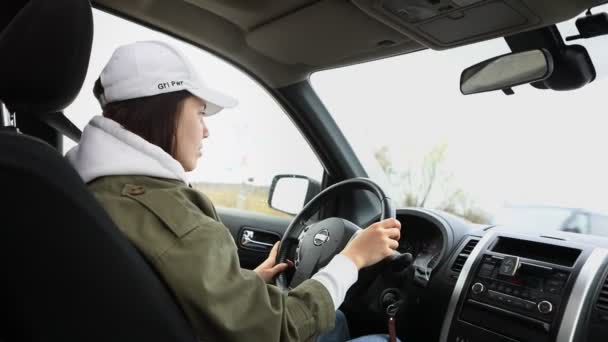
(248, 240)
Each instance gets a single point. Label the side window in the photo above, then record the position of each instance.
(247, 146)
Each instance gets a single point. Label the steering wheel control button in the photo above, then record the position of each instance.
(545, 307)
(478, 288)
(509, 266)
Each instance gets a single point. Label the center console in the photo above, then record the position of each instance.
(520, 288)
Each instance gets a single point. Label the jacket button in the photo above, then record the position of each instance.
(136, 190)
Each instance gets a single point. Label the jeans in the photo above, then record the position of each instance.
(340, 333)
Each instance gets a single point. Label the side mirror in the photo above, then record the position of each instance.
(289, 193)
(506, 71)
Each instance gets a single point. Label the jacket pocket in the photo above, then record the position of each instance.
(178, 214)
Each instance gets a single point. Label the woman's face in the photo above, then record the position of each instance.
(191, 131)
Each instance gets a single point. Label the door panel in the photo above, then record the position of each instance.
(266, 229)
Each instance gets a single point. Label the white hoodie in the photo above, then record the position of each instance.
(108, 149)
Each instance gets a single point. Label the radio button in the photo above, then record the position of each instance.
(545, 307)
(561, 275)
(555, 283)
(485, 274)
(518, 303)
(486, 270)
(477, 288)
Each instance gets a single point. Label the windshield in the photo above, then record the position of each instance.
(475, 155)
(538, 218)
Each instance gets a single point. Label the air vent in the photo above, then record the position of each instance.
(602, 299)
(464, 254)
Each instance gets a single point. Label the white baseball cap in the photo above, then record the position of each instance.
(150, 68)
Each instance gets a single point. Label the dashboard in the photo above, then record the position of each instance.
(422, 239)
(429, 236)
(484, 283)
(424, 236)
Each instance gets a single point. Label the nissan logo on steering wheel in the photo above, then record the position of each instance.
(321, 237)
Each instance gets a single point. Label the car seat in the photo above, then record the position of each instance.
(67, 273)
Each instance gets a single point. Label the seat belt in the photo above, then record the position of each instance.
(62, 124)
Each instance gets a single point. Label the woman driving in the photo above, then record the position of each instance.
(135, 157)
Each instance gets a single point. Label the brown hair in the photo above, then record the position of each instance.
(153, 118)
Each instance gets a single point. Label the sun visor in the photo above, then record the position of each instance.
(327, 32)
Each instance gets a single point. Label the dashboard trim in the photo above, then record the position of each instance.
(462, 278)
(580, 294)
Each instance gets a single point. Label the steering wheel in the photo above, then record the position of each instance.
(313, 246)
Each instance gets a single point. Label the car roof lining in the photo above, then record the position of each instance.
(283, 42)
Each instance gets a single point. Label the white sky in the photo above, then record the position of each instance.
(538, 147)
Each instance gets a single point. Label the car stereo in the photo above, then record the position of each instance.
(531, 290)
(513, 289)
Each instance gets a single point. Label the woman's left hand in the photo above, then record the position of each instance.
(269, 269)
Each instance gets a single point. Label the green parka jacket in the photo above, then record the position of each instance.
(178, 231)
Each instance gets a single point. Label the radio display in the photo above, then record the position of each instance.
(554, 254)
(524, 277)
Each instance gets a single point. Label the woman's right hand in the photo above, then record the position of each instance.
(374, 243)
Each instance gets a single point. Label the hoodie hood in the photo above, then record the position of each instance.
(108, 149)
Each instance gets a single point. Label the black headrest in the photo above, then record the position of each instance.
(45, 48)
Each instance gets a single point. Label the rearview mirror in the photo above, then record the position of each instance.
(506, 71)
(289, 193)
